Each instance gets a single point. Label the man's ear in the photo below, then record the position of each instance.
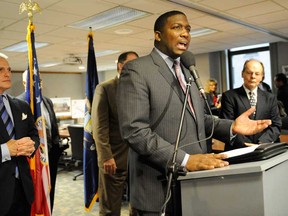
(157, 36)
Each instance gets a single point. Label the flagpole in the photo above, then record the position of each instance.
(39, 163)
(90, 166)
(30, 7)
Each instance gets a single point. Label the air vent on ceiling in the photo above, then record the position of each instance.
(72, 60)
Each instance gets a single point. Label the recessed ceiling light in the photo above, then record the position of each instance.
(201, 32)
(109, 18)
(123, 31)
(22, 46)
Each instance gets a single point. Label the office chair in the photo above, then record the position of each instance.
(76, 139)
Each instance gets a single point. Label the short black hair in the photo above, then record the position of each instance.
(281, 77)
(162, 19)
(123, 56)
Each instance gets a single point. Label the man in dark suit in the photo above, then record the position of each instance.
(53, 138)
(280, 81)
(16, 185)
(111, 150)
(149, 102)
(237, 101)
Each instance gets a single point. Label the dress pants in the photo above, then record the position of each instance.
(20, 206)
(110, 190)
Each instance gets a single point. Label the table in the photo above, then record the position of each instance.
(64, 133)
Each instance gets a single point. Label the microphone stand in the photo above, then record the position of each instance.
(174, 170)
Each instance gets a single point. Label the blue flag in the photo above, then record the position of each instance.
(90, 167)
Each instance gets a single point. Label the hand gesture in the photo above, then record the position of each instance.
(245, 126)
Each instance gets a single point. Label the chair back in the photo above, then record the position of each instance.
(76, 138)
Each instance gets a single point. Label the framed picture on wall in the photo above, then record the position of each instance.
(285, 70)
(62, 106)
(78, 108)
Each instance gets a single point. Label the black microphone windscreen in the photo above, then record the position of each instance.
(187, 59)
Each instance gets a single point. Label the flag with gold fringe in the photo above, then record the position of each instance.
(90, 156)
(39, 164)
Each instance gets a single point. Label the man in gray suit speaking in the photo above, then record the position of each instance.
(149, 102)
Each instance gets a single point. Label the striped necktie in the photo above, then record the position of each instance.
(6, 118)
(176, 67)
(252, 101)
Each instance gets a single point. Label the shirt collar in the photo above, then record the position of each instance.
(247, 91)
(169, 61)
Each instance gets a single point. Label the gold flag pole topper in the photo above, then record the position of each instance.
(29, 7)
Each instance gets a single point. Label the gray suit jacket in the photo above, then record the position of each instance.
(149, 104)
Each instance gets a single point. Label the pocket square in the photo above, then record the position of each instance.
(24, 116)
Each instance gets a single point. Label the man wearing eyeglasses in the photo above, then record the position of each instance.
(237, 101)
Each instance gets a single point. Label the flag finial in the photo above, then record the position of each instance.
(90, 34)
(29, 6)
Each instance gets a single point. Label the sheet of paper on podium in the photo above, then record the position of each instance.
(240, 151)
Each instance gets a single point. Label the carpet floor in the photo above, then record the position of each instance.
(69, 196)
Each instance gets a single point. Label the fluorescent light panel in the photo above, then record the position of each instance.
(250, 47)
(106, 52)
(201, 32)
(97, 54)
(3, 55)
(22, 46)
(50, 64)
(109, 18)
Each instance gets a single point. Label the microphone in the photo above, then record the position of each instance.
(188, 60)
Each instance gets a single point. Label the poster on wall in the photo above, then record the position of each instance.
(62, 106)
(285, 70)
(78, 108)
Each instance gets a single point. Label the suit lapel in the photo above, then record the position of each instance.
(164, 70)
(260, 100)
(4, 135)
(243, 97)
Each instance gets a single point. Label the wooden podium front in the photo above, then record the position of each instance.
(247, 189)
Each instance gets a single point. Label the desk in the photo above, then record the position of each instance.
(64, 133)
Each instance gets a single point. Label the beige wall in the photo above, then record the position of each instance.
(54, 85)
(73, 84)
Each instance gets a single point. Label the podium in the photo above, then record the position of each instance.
(248, 189)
